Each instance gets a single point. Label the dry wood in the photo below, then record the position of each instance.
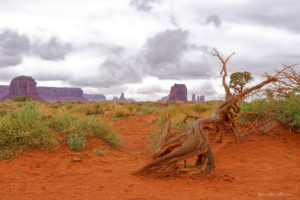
(196, 142)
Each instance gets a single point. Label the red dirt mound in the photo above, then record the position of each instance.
(260, 167)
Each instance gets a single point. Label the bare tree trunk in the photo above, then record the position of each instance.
(196, 143)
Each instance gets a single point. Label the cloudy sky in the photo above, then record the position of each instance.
(142, 47)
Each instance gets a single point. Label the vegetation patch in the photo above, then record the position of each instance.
(24, 129)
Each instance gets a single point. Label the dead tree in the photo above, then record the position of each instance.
(288, 81)
(195, 143)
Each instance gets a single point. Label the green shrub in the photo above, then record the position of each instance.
(3, 113)
(103, 129)
(100, 152)
(76, 141)
(67, 124)
(23, 99)
(24, 129)
(79, 109)
(155, 136)
(285, 110)
(200, 107)
(131, 107)
(179, 125)
(149, 108)
(121, 112)
(190, 165)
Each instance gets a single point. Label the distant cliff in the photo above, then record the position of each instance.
(94, 97)
(4, 89)
(26, 86)
(60, 94)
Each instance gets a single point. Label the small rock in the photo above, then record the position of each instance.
(76, 160)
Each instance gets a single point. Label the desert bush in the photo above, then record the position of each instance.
(56, 104)
(23, 99)
(105, 107)
(172, 110)
(285, 110)
(68, 124)
(87, 109)
(3, 113)
(100, 151)
(121, 112)
(24, 129)
(201, 107)
(79, 109)
(145, 109)
(76, 141)
(179, 125)
(131, 107)
(69, 105)
(103, 129)
(154, 139)
(149, 108)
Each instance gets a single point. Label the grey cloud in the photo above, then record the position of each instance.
(143, 5)
(203, 48)
(52, 50)
(164, 55)
(207, 89)
(152, 89)
(121, 70)
(269, 63)
(173, 20)
(166, 47)
(275, 13)
(51, 76)
(215, 19)
(96, 82)
(10, 60)
(271, 13)
(6, 75)
(115, 70)
(12, 46)
(106, 48)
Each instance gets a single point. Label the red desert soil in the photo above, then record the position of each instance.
(260, 167)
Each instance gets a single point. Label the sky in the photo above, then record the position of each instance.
(143, 47)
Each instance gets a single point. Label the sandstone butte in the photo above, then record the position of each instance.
(180, 91)
(26, 86)
(23, 86)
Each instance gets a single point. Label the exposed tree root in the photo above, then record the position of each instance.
(172, 149)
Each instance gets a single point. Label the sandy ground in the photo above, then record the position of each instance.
(260, 167)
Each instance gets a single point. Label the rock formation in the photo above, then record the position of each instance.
(122, 98)
(202, 98)
(4, 89)
(61, 94)
(94, 97)
(164, 99)
(23, 86)
(193, 98)
(26, 86)
(180, 91)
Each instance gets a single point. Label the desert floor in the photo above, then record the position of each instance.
(259, 167)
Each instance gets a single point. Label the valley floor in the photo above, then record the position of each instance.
(259, 167)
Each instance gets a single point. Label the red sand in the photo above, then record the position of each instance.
(260, 167)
